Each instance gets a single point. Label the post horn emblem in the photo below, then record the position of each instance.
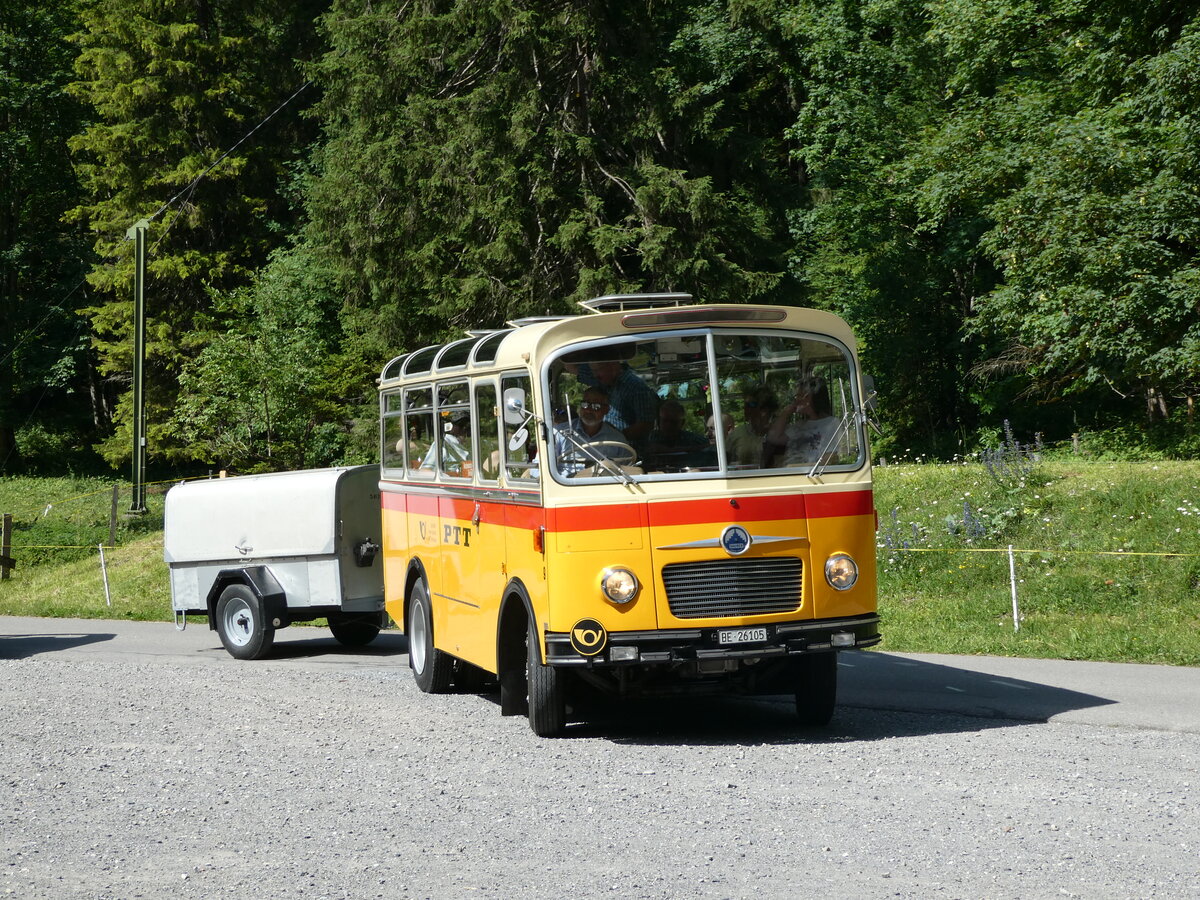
(588, 637)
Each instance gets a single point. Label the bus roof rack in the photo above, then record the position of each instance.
(534, 320)
(621, 302)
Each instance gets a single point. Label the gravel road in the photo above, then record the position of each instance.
(154, 777)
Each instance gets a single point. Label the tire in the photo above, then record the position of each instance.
(354, 630)
(546, 690)
(816, 689)
(242, 623)
(432, 669)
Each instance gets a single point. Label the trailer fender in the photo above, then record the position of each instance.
(260, 580)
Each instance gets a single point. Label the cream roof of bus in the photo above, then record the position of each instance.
(543, 339)
(519, 346)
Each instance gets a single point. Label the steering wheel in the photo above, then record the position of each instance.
(620, 453)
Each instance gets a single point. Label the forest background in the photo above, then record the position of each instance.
(1001, 196)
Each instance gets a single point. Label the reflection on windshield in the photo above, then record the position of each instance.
(701, 402)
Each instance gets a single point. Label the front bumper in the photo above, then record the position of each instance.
(642, 648)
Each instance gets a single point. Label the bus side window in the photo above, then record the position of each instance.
(393, 432)
(455, 436)
(418, 430)
(489, 432)
(520, 461)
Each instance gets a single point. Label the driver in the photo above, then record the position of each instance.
(589, 428)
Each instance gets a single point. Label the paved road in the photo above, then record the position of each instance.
(1136, 696)
(143, 762)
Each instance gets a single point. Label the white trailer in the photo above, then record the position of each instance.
(258, 552)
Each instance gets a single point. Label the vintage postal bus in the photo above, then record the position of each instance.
(652, 496)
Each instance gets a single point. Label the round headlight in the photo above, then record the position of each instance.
(841, 572)
(619, 585)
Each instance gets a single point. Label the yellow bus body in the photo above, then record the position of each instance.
(477, 544)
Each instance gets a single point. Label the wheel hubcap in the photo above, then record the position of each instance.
(239, 622)
(416, 642)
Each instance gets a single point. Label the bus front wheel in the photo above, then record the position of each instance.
(432, 669)
(816, 688)
(546, 692)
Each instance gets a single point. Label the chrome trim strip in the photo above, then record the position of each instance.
(456, 600)
(716, 542)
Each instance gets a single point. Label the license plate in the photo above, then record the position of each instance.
(726, 636)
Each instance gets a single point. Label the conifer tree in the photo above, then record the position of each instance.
(489, 159)
(44, 364)
(173, 86)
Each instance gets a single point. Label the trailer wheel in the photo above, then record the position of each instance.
(354, 631)
(242, 624)
(432, 669)
(547, 692)
(816, 688)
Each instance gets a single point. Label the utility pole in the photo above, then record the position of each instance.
(138, 234)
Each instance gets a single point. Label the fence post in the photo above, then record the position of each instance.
(6, 561)
(1012, 578)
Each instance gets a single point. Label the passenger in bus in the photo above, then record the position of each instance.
(710, 427)
(670, 446)
(809, 439)
(745, 443)
(454, 451)
(589, 428)
(632, 404)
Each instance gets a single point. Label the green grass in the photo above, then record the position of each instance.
(1079, 530)
(58, 525)
(1078, 527)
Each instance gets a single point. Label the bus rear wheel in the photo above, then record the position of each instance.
(546, 691)
(432, 669)
(354, 631)
(816, 688)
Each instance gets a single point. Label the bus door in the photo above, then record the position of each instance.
(418, 504)
(456, 601)
(524, 516)
(472, 530)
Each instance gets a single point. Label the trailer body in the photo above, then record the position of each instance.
(304, 544)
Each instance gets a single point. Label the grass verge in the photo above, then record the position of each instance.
(1107, 560)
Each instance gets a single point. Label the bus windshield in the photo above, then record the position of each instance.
(703, 403)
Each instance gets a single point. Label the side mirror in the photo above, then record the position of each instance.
(514, 406)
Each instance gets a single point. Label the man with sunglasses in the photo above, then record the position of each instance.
(589, 428)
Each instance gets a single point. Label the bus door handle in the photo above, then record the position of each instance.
(475, 516)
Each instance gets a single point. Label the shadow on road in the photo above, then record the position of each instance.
(23, 646)
(879, 697)
(877, 680)
(387, 644)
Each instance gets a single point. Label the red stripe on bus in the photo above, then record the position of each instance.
(720, 509)
(422, 504)
(841, 503)
(593, 518)
(638, 515)
(704, 512)
(525, 516)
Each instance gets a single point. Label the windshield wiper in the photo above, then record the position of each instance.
(843, 427)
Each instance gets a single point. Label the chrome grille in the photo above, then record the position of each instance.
(733, 587)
